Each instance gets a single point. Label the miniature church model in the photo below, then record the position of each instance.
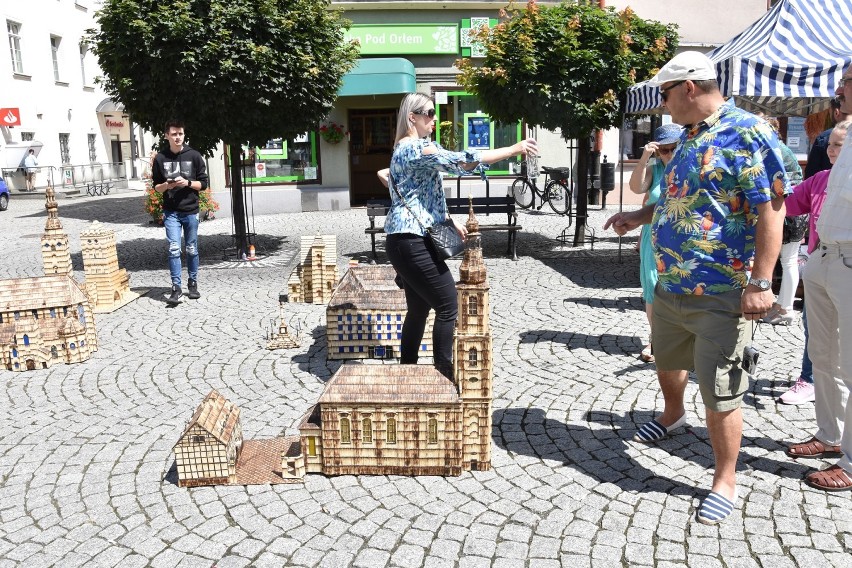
(107, 285)
(316, 274)
(365, 314)
(410, 419)
(283, 339)
(46, 319)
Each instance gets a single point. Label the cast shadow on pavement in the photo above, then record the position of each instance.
(629, 345)
(128, 210)
(315, 361)
(601, 453)
(142, 254)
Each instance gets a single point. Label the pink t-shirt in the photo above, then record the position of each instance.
(808, 197)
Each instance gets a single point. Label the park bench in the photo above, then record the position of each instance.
(482, 207)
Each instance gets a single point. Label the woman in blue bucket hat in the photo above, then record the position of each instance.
(647, 178)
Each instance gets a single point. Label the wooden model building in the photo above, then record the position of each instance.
(283, 339)
(371, 419)
(46, 319)
(410, 419)
(365, 314)
(108, 285)
(316, 274)
(209, 447)
(55, 253)
(212, 451)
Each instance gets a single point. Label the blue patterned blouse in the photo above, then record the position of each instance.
(418, 179)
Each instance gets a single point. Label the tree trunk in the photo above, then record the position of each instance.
(238, 208)
(582, 171)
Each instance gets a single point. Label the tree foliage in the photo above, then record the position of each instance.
(238, 71)
(567, 66)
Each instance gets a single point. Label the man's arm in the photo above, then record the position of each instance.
(623, 223)
(767, 245)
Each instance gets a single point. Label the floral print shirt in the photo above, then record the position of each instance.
(704, 223)
(417, 177)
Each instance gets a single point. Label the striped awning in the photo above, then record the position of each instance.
(786, 64)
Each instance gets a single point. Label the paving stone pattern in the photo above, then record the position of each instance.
(86, 463)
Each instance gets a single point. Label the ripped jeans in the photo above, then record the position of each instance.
(174, 222)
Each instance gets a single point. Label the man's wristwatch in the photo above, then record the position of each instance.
(761, 283)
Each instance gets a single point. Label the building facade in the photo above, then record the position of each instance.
(50, 101)
(409, 46)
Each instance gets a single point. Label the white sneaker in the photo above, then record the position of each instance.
(800, 393)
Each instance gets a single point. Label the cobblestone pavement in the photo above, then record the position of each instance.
(86, 461)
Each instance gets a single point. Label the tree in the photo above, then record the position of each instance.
(237, 71)
(568, 66)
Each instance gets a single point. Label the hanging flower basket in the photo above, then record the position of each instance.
(332, 132)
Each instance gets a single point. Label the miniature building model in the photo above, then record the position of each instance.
(107, 285)
(209, 447)
(410, 419)
(54, 242)
(283, 339)
(314, 277)
(44, 320)
(365, 314)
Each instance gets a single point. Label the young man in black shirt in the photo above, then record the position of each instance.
(180, 173)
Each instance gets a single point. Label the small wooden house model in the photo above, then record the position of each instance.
(365, 315)
(316, 274)
(208, 450)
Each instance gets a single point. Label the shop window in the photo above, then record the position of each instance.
(636, 133)
(460, 119)
(283, 160)
(93, 150)
(65, 148)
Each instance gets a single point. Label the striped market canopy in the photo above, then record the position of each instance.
(785, 64)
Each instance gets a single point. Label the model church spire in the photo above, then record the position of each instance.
(54, 241)
(472, 270)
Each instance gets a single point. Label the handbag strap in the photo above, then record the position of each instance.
(405, 202)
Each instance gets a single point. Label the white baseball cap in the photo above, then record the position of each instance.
(692, 65)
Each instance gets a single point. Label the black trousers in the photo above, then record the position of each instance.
(428, 283)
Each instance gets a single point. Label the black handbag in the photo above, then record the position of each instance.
(446, 239)
(444, 236)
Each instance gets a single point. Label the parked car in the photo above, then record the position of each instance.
(4, 195)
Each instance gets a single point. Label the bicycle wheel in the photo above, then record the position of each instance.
(522, 191)
(559, 197)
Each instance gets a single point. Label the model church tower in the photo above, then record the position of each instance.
(107, 285)
(472, 352)
(54, 241)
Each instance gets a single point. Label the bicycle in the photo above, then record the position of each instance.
(557, 191)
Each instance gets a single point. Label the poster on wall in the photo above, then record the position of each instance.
(478, 131)
(797, 138)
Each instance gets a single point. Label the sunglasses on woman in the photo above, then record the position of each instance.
(430, 113)
(664, 151)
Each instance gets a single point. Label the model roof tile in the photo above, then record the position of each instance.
(215, 415)
(55, 290)
(368, 287)
(389, 384)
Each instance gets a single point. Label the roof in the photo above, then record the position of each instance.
(368, 287)
(787, 63)
(389, 384)
(215, 415)
(55, 290)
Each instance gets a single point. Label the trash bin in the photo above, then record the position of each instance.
(607, 179)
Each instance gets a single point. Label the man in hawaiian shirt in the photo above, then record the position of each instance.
(722, 209)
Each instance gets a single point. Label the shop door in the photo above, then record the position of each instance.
(371, 139)
(115, 146)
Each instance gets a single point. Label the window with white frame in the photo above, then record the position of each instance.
(65, 148)
(54, 54)
(93, 151)
(14, 30)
